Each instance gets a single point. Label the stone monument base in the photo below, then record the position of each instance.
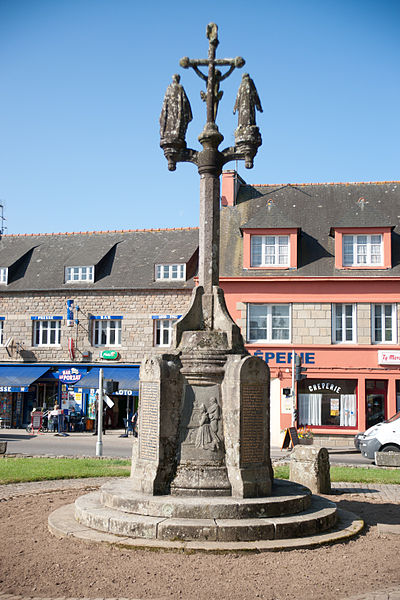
(291, 517)
(291, 512)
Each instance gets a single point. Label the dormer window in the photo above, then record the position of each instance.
(362, 250)
(363, 247)
(4, 275)
(269, 250)
(76, 274)
(171, 272)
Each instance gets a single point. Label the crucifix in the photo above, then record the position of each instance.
(174, 120)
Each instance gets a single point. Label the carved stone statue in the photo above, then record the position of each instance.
(207, 437)
(176, 113)
(247, 100)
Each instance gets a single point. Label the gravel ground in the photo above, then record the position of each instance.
(35, 563)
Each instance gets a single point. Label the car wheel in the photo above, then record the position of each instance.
(390, 448)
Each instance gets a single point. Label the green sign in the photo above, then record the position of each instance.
(109, 354)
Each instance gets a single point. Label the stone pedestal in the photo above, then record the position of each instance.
(203, 426)
(310, 467)
(247, 426)
(154, 456)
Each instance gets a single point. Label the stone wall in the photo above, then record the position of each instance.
(312, 322)
(136, 308)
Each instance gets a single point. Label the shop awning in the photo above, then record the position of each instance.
(18, 379)
(127, 377)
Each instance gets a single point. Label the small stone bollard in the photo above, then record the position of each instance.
(387, 459)
(310, 467)
(3, 447)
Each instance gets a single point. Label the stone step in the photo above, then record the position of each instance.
(89, 511)
(287, 498)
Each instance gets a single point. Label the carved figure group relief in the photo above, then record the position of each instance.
(207, 434)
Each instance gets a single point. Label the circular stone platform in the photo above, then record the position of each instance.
(291, 517)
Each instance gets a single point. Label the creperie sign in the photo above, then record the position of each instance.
(388, 357)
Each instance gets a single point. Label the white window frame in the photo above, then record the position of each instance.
(3, 275)
(269, 318)
(2, 332)
(79, 274)
(170, 272)
(163, 328)
(343, 316)
(45, 330)
(360, 254)
(382, 317)
(271, 251)
(109, 328)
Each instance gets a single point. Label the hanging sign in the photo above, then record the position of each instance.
(109, 354)
(71, 375)
(71, 348)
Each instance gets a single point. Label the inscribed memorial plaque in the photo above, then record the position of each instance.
(252, 424)
(149, 420)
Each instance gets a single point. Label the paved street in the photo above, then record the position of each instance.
(114, 445)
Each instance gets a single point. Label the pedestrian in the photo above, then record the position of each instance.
(134, 424)
(54, 418)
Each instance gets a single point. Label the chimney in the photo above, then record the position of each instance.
(231, 182)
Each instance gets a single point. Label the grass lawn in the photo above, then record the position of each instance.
(14, 470)
(352, 474)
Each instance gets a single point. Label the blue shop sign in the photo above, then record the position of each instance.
(13, 388)
(105, 317)
(47, 318)
(71, 375)
(285, 358)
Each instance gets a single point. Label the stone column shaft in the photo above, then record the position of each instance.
(209, 241)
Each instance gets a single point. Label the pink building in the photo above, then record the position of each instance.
(315, 268)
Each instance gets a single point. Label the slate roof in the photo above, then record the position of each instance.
(123, 259)
(315, 209)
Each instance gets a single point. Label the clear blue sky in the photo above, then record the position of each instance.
(82, 84)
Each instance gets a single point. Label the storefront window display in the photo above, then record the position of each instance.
(327, 402)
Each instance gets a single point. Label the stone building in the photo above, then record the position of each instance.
(315, 269)
(70, 303)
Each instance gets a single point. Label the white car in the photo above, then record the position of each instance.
(383, 437)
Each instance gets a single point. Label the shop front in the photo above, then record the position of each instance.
(24, 387)
(18, 393)
(123, 403)
(344, 390)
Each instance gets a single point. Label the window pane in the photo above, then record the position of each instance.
(257, 322)
(280, 322)
(338, 323)
(165, 334)
(378, 323)
(256, 250)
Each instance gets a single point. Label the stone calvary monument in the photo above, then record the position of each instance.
(201, 468)
(204, 408)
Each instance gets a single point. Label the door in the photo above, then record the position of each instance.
(375, 395)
